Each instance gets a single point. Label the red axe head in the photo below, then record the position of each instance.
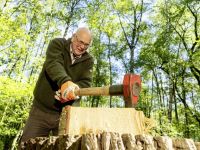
(131, 89)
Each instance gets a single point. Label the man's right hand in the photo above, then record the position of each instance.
(66, 93)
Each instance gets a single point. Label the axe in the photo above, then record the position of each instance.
(130, 89)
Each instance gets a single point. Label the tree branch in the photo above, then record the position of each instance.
(195, 28)
(196, 73)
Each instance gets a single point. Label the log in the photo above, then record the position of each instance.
(109, 141)
(80, 120)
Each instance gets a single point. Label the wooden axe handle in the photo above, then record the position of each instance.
(97, 91)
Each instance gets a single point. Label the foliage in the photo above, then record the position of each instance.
(16, 98)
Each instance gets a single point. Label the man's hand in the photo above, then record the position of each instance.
(66, 93)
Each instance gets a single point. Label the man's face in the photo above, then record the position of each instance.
(80, 43)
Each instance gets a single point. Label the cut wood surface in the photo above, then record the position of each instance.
(109, 141)
(79, 120)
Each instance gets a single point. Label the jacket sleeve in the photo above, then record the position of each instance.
(86, 77)
(54, 63)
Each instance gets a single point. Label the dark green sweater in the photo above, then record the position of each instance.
(57, 69)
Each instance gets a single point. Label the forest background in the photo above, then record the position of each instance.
(158, 39)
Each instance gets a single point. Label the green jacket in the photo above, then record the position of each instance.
(58, 69)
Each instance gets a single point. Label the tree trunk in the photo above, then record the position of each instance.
(159, 95)
(170, 100)
(110, 67)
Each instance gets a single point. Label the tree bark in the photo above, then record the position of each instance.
(108, 141)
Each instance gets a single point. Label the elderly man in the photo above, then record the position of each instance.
(67, 66)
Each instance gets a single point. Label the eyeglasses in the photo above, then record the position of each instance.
(80, 42)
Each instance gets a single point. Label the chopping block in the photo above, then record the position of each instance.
(83, 120)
